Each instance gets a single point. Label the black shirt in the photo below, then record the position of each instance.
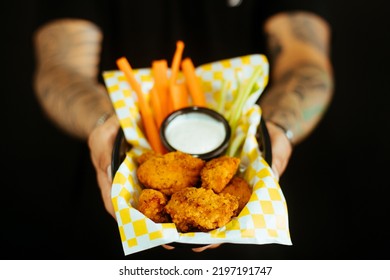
(142, 30)
(148, 29)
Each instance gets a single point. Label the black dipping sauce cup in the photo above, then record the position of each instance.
(199, 131)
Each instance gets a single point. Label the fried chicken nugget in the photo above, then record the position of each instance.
(218, 172)
(152, 203)
(146, 156)
(170, 172)
(240, 188)
(199, 209)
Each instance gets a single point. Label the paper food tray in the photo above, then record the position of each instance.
(263, 220)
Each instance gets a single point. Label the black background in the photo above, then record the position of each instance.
(336, 185)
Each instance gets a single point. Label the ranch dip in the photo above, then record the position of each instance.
(195, 133)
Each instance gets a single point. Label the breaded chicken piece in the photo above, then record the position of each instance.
(170, 172)
(218, 172)
(145, 156)
(240, 188)
(152, 203)
(199, 209)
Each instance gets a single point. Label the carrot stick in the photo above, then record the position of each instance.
(160, 72)
(125, 67)
(161, 83)
(176, 61)
(152, 133)
(179, 91)
(155, 102)
(195, 89)
(173, 90)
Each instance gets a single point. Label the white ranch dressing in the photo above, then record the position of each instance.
(195, 133)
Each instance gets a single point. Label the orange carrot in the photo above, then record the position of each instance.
(176, 61)
(155, 102)
(161, 83)
(125, 67)
(152, 133)
(173, 90)
(192, 80)
(160, 72)
(179, 91)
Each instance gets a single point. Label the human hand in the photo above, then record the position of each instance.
(100, 143)
(281, 149)
(196, 250)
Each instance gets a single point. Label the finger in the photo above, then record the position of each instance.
(280, 158)
(275, 171)
(201, 249)
(281, 149)
(168, 247)
(105, 187)
(108, 205)
(109, 173)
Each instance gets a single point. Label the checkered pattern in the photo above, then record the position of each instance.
(213, 75)
(263, 220)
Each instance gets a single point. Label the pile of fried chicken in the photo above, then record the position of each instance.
(194, 194)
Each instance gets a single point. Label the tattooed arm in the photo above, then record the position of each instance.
(301, 81)
(67, 56)
(66, 85)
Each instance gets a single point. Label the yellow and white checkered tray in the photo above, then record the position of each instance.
(263, 220)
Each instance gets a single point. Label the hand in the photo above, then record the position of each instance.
(196, 250)
(100, 143)
(210, 246)
(281, 149)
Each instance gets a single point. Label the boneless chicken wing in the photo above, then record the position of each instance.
(146, 156)
(151, 203)
(240, 188)
(170, 172)
(218, 172)
(200, 209)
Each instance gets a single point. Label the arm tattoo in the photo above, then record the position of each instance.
(301, 82)
(305, 79)
(66, 77)
(274, 47)
(304, 29)
(299, 98)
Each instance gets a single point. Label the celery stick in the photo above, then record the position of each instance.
(235, 144)
(222, 97)
(239, 93)
(244, 93)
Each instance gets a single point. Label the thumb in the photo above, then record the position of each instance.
(275, 171)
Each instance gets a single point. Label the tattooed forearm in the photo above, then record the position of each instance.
(301, 82)
(305, 30)
(305, 79)
(274, 48)
(66, 84)
(300, 28)
(298, 99)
